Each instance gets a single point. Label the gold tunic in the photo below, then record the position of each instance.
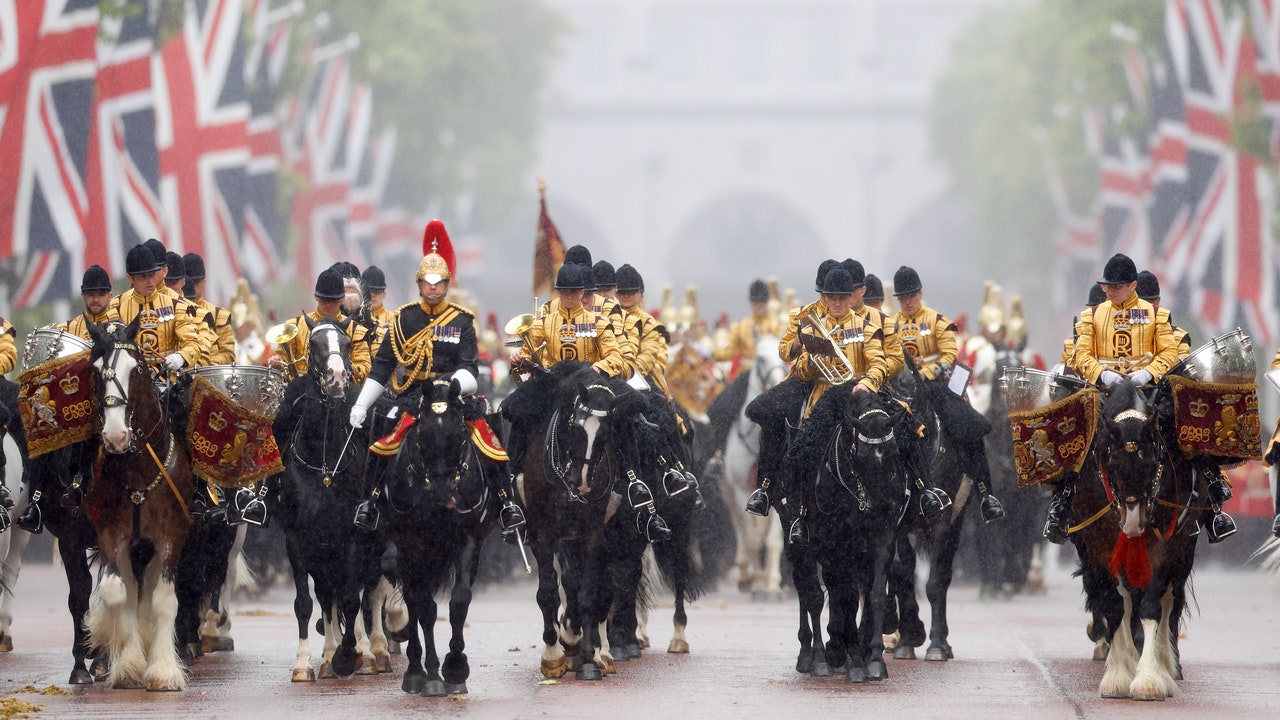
(649, 337)
(578, 334)
(609, 309)
(299, 348)
(165, 325)
(382, 316)
(79, 325)
(8, 348)
(743, 336)
(1125, 339)
(218, 339)
(893, 352)
(860, 339)
(930, 338)
(786, 351)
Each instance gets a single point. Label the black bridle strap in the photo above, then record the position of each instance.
(181, 503)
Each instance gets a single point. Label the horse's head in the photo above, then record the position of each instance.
(329, 355)
(1130, 455)
(872, 423)
(118, 368)
(767, 369)
(432, 463)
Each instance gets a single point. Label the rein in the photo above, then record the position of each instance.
(325, 471)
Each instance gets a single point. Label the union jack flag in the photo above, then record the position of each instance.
(47, 65)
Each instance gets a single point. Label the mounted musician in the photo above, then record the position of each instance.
(374, 283)
(329, 294)
(219, 340)
(427, 340)
(168, 336)
(176, 276)
(95, 290)
(893, 352)
(1123, 337)
(740, 349)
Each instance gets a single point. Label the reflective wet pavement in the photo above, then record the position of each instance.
(1018, 658)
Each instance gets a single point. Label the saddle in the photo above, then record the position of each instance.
(482, 437)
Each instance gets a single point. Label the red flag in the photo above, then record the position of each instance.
(548, 248)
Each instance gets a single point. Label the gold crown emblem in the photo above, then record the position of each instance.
(1251, 401)
(70, 384)
(1067, 426)
(1198, 408)
(217, 422)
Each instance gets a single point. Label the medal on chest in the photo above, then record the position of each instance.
(447, 334)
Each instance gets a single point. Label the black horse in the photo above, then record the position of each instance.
(439, 511)
(573, 420)
(322, 483)
(860, 496)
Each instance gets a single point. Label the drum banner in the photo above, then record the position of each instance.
(1053, 439)
(231, 445)
(56, 402)
(1217, 419)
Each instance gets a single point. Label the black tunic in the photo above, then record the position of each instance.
(454, 341)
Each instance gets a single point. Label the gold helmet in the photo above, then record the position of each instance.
(439, 260)
(991, 316)
(689, 311)
(1017, 324)
(668, 314)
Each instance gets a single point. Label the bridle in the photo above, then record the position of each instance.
(559, 457)
(333, 349)
(114, 393)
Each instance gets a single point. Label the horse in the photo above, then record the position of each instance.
(138, 504)
(322, 483)
(573, 418)
(13, 454)
(848, 448)
(759, 539)
(1133, 546)
(439, 511)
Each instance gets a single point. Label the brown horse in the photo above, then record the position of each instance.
(137, 503)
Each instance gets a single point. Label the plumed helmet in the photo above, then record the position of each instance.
(629, 280)
(603, 275)
(195, 266)
(1017, 324)
(438, 262)
(906, 281)
(177, 269)
(991, 316)
(1120, 270)
(875, 289)
(837, 281)
(856, 272)
(373, 278)
(759, 292)
(570, 277)
(823, 267)
(329, 285)
(141, 261)
(578, 254)
(157, 249)
(1148, 285)
(1096, 295)
(95, 279)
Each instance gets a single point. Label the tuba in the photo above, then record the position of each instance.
(833, 365)
(281, 335)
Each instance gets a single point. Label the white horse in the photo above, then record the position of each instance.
(759, 557)
(13, 542)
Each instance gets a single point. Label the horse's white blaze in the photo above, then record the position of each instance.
(334, 363)
(115, 425)
(1133, 519)
(592, 426)
(1123, 657)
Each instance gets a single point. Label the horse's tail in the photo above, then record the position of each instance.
(140, 554)
(1268, 557)
(680, 565)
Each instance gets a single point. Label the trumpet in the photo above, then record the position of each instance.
(836, 373)
(281, 335)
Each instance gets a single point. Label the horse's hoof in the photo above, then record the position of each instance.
(937, 654)
(456, 688)
(744, 586)
(326, 671)
(195, 650)
(100, 668)
(398, 636)
(904, 652)
(678, 646)
(1100, 651)
(552, 669)
(607, 667)
(127, 684)
(434, 688)
(226, 644)
(6, 643)
(589, 671)
(820, 668)
(307, 674)
(209, 645)
(891, 641)
(856, 674)
(877, 671)
(344, 660)
(414, 683)
(570, 651)
(455, 668)
(382, 663)
(80, 676)
(368, 666)
(804, 661)
(644, 641)
(161, 686)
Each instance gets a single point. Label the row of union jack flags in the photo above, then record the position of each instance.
(108, 139)
(1180, 196)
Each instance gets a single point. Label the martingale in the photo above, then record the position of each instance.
(231, 445)
(1218, 419)
(1050, 440)
(56, 402)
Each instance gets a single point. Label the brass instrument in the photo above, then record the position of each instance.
(281, 335)
(834, 373)
(519, 326)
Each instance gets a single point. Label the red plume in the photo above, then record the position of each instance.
(435, 233)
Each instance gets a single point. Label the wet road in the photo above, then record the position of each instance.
(1018, 658)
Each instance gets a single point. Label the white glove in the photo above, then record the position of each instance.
(466, 381)
(1110, 377)
(174, 361)
(1142, 377)
(371, 391)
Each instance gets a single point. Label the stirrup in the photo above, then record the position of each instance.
(653, 527)
(254, 513)
(1219, 491)
(1221, 527)
(73, 496)
(6, 500)
(674, 482)
(991, 509)
(1055, 527)
(798, 534)
(367, 516)
(510, 516)
(758, 503)
(638, 494)
(31, 519)
(931, 504)
(5, 522)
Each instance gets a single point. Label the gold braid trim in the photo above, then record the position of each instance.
(412, 353)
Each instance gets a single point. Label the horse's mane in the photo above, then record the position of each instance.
(1123, 396)
(810, 443)
(538, 396)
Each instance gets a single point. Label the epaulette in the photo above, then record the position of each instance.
(465, 311)
(406, 305)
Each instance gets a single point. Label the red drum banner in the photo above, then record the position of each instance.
(231, 445)
(56, 403)
(1050, 440)
(1217, 419)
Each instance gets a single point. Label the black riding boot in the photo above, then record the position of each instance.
(31, 519)
(989, 506)
(648, 522)
(1058, 519)
(249, 505)
(1217, 523)
(511, 515)
(367, 512)
(933, 501)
